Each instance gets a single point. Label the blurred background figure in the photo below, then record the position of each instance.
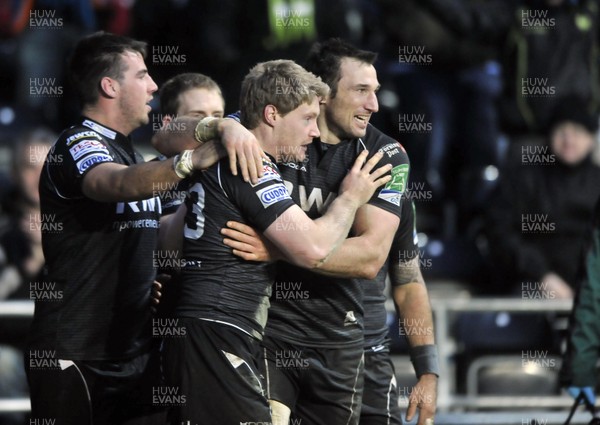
(579, 373)
(538, 218)
(551, 52)
(442, 63)
(20, 235)
(225, 38)
(21, 257)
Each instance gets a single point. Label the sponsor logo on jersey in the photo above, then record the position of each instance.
(81, 135)
(392, 191)
(392, 149)
(269, 173)
(391, 196)
(87, 146)
(295, 166)
(88, 161)
(273, 194)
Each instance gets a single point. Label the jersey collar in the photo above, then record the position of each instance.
(99, 128)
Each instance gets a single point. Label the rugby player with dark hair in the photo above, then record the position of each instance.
(92, 321)
(224, 299)
(327, 327)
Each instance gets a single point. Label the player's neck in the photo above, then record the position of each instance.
(264, 135)
(327, 136)
(108, 117)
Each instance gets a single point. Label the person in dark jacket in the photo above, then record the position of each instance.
(537, 220)
(551, 51)
(578, 373)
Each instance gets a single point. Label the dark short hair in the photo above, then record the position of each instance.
(324, 60)
(170, 91)
(97, 56)
(572, 108)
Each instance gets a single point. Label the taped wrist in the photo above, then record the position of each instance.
(204, 131)
(425, 359)
(182, 164)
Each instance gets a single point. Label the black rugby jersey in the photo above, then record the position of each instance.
(308, 308)
(94, 301)
(215, 284)
(404, 248)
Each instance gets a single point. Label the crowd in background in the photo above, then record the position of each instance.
(472, 89)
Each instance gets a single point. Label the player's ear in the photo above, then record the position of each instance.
(270, 115)
(166, 119)
(108, 87)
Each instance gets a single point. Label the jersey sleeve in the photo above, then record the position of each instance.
(405, 244)
(261, 203)
(389, 197)
(72, 157)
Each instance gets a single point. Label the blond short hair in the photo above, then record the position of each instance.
(281, 83)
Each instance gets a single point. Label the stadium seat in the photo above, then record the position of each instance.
(514, 375)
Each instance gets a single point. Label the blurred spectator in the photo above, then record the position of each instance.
(551, 53)
(225, 38)
(47, 30)
(193, 36)
(21, 257)
(13, 383)
(20, 238)
(442, 64)
(578, 372)
(538, 219)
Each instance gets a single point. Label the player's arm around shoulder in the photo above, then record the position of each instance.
(229, 136)
(309, 243)
(376, 222)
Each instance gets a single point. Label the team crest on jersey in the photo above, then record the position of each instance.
(392, 191)
(88, 161)
(87, 146)
(269, 173)
(272, 194)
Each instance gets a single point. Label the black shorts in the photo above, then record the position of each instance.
(100, 392)
(319, 385)
(214, 370)
(380, 390)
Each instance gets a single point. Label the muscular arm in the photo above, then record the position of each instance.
(412, 303)
(170, 143)
(361, 256)
(364, 254)
(111, 182)
(241, 145)
(310, 244)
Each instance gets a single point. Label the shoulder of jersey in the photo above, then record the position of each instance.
(376, 139)
(79, 132)
(270, 172)
(84, 145)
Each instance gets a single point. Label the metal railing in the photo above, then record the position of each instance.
(443, 310)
